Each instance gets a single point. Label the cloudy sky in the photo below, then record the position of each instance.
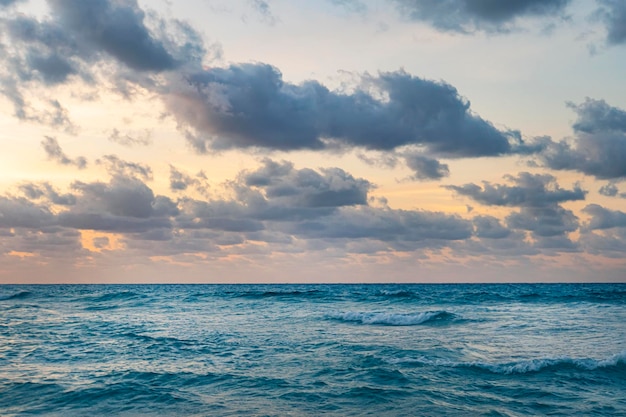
(312, 141)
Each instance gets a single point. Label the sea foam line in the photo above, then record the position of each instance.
(526, 366)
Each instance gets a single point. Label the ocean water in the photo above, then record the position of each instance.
(313, 350)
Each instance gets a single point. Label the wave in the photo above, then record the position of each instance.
(530, 366)
(395, 319)
(280, 294)
(17, 296)
(115, 296)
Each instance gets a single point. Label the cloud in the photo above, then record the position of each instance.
(142, 139)
(7, 3)
(426, 168)
(530, 190)
(251, 106)
(34, 191)
(613, 14)
(55, 153)
(489, 227)
(129, 46)
(20, 212)
(538, 197)
(544, 221)
(264, 10)
(595, 116)
(404, 229)
(331, 187)
(467, 16)
(117, 28)
(602, 218)
(120, 168)
(599, 146)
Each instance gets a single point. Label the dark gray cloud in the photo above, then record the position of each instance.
(603, 218)
(332, 187)
(122, 196)
(599, 147)
(530, 190)
(538, 197)
(404, 230)
(20, 212)
(117, 28)
(250, 106)
(611, 190)
(130, 46)
(123, 205)
(426, 168)
(596, 116)
(468, 16)
(489, 227)
(613, 13)
(55, 153)
(44, 190)
(544, 221)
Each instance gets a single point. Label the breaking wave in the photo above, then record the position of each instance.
(394, 319)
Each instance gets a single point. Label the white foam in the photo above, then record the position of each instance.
(391, 319)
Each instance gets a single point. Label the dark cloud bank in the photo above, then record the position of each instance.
(250, 106)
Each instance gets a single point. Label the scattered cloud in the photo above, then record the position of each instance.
(120, 168)
(426, 168)
(599, 146)
(141, 139)
(251, 106)
(602, 218)
(55, 153)
(613, 14)
(538, 197)
(468, 16)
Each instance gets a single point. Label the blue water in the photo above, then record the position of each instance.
(310, 350)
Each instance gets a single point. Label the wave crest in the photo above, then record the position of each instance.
(529, 366)
(394, 319)
(17, 296)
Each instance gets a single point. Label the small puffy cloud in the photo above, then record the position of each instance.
(603, 218)
(599, 146)
(34, 191)
(120, 168)
(141, 139)
(467, 16)
(55, 153)
(251, 106)
(426, 168)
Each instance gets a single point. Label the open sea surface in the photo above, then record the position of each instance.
(313, 350)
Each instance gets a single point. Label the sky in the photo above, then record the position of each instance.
(312, 141)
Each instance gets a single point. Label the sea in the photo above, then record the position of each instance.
(313, 350)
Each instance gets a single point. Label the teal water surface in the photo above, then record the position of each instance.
(310, 350)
